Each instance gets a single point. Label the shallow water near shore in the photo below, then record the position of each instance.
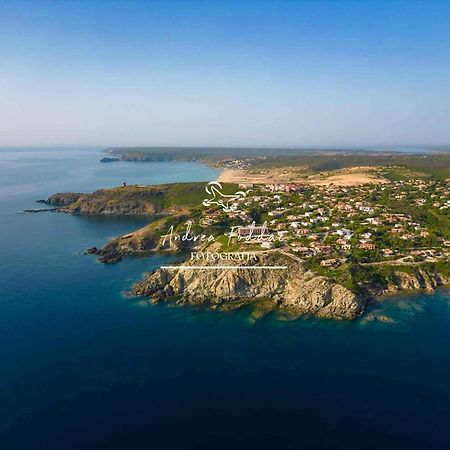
(84, 366)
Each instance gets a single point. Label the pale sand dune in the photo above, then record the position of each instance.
(241, 176)
(347, 177)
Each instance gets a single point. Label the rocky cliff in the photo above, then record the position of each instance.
(417, 279)
(294, 288)
(135, 199)
(62, 198)
(143, 241)
(118, 201)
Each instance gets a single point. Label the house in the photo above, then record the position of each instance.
(345, 245)
(329, 262)
(367, 246)
(323, 248)
(300, 249)
(252, 230)
(374, 220)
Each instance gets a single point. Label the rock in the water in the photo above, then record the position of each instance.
(377, 317)
(110, 259)
(107, 159)
(36, 210)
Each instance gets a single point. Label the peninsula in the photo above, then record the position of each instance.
(324, 240)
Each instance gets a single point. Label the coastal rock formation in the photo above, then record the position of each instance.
(107, 159)
(131, 244)
(143, 241)
(62, 198)
(117, 202)
(134, 200)
(416, 280)
(293, 289)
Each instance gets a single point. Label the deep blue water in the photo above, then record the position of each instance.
(82, 366)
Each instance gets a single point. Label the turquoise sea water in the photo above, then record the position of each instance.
(82, 366)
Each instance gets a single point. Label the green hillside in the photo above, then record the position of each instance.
(140, 199)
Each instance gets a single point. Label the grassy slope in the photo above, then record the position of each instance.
(157, 198)
(435, 165)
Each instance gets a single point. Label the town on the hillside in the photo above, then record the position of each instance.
(395, 222)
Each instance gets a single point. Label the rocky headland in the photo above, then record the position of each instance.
(132, 199)
(165, 205)
(142, 242)
(295, 289)
(413, 280)
(62, 199)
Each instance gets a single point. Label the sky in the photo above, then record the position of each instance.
(224, 73)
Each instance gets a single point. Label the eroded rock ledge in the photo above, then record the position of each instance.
(294, 288)
(419, 279)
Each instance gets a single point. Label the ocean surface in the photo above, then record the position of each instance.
(84, 366)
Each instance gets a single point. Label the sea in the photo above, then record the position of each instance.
(83, 365)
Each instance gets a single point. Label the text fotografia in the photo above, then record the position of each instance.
(249, 234)
(223, 256)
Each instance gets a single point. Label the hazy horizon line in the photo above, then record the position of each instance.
(236, 146)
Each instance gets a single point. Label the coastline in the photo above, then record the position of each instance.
(296, 289)
(174, 204)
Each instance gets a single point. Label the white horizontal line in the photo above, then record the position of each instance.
(223, 267)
